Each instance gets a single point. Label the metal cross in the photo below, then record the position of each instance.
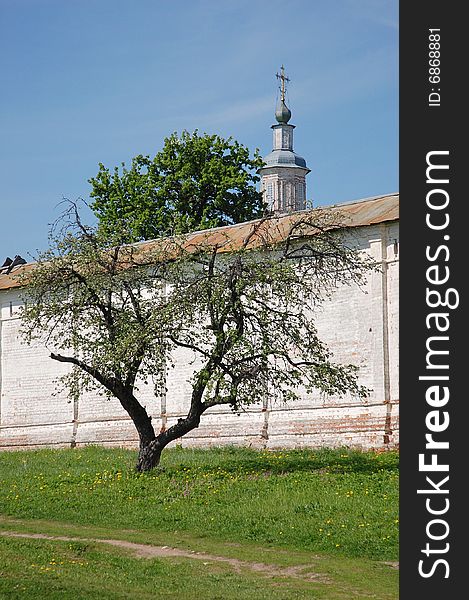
(283, 79)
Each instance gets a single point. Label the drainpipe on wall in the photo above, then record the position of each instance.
(384, 295)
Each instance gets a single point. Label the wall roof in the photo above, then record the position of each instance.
(358, 213)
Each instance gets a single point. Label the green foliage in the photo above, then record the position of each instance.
(195, 182)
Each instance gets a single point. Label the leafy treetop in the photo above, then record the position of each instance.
(195, 182)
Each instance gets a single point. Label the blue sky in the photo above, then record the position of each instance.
(89, 81)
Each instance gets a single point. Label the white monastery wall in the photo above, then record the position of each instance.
(360, 327)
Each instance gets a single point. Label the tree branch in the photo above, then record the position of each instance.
(109, 382)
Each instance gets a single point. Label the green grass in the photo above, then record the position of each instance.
(332, 501)
(288, 506)
(42, 569)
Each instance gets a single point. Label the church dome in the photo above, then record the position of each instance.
(282, 112)
(284, 158)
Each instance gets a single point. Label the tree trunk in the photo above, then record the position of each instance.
(150, 450)
(151, 446)
(149, 456)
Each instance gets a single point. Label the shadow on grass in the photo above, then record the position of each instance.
(246, 461)
(223, 460)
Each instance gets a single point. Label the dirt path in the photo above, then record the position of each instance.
(148, 551)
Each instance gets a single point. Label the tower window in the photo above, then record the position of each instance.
(300, 198)
(301, 192)
(269, 194)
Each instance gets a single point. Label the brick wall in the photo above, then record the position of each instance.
(360, 326)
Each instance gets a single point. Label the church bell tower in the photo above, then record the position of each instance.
(283, 179)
